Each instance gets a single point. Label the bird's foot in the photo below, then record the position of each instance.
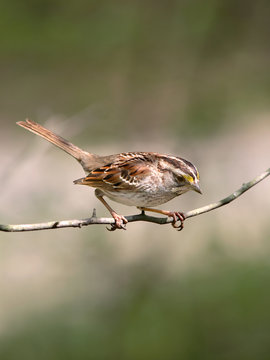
(120, 222)
(177, 216)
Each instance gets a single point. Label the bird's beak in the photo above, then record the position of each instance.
(196, 187)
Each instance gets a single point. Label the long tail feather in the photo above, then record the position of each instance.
(55, 139)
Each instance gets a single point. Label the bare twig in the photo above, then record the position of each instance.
(93, 220)
(230, 198)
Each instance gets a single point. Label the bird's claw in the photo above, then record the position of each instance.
(120, 223)
(177, 215)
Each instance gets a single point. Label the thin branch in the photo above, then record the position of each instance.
(245, 187)
(93, 220)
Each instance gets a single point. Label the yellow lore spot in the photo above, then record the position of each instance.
(189, 178)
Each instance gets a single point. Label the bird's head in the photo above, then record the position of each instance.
(185, 174)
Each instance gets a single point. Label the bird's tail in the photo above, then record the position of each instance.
(55, 139)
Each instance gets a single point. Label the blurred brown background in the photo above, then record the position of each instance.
(189, 78)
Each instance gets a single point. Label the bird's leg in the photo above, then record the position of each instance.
(120, 220)
(176, 215)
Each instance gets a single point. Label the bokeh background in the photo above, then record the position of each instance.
(189, 78)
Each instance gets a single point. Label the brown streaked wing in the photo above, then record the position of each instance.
(122, 175)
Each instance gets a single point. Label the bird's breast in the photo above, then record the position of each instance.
(140, 199)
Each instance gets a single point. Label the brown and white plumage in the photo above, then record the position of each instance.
(142, 179)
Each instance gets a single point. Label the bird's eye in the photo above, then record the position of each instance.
(180, 179)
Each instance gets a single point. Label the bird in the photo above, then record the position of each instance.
(141, 179)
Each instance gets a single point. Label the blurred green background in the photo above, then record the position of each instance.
(189, 78)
